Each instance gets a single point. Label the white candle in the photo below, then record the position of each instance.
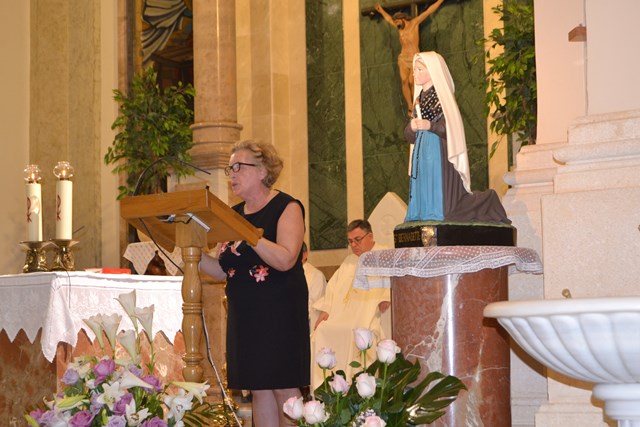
(64, 200)
(34, 212)
(64, 206)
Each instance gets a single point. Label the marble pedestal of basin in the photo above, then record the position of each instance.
(591, 339)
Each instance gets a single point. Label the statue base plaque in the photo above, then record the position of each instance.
(442, 233)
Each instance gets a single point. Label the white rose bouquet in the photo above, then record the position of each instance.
(386, 393)
(110, 392)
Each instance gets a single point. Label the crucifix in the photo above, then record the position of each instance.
(409, 32)
(398, 6)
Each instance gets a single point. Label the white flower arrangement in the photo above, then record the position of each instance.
(386, 393)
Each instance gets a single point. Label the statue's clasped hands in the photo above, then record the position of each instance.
(420, 124)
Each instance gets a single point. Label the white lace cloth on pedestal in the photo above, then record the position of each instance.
(58, 301)
(141, 253)
(435, 261)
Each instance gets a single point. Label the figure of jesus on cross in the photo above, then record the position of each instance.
(408, 31)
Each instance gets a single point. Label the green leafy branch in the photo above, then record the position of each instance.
(511, 90)
(152, 124)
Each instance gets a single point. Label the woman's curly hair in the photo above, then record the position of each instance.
(266, 154)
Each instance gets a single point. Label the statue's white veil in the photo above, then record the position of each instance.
(443, 82)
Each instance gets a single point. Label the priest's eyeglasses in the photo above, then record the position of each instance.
(236, 167)
(357, 240)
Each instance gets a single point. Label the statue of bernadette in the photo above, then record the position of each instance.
(440, 183)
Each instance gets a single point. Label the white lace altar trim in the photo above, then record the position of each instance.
(441, 260)
(58, 301)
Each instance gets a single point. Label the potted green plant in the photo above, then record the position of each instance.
(511, 91)
(154, 134)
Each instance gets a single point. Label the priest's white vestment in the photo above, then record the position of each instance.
(349, 309)
(317, 284)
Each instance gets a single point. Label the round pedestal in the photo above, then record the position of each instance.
(621, 402)
(439, 321)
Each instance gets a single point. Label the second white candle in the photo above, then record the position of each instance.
(64, 207)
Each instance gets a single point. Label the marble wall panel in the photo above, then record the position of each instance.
(328, 203)
(25, 377)
(384, 114)
(326, 124)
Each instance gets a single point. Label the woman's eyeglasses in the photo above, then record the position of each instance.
(236, 167)
(357, 240)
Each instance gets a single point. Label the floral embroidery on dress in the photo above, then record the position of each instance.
(231, 272)
(234, 247)
(259, 272)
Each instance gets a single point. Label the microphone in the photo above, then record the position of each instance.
(165, 218)
(155, 162)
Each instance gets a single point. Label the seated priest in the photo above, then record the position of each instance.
(343, 308)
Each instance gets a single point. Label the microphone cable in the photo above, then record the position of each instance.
(137, 190)
(225, 397)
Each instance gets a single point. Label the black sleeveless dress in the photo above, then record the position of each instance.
(268, 322)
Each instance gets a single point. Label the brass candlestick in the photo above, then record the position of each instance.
(63, 255)
(36, 259)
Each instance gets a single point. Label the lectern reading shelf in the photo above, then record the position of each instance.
(191, 220)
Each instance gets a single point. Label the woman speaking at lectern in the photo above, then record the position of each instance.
(268, 324)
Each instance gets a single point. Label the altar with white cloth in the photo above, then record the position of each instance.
(41, 327)
(438, 295)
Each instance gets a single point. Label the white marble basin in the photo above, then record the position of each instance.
(591, 339)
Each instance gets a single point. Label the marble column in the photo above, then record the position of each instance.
(439, 321)
(214, 61)
(215, 130)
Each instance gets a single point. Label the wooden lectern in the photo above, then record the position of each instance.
(191, 220)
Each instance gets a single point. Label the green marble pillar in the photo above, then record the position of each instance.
(327, 208)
